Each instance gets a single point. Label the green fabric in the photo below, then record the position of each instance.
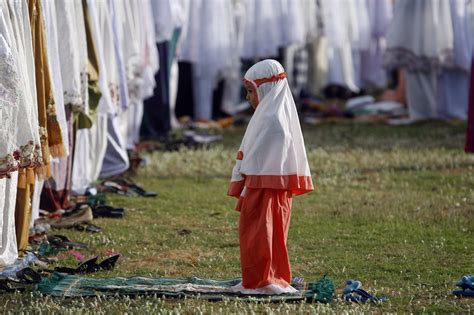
(73, 286)
(83, 121)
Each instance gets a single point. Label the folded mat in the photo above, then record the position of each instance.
(71, 286)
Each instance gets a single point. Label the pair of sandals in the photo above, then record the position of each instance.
(26, 278)
(127, 187)
(86, 227)
(62, 242)
(466, 283)
(89, 266)
(103, 211)
(353, 292)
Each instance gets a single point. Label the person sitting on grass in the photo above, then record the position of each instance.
(271, 167)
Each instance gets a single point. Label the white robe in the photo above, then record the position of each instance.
(340, 31)
(81, 167)
(453, 82)
(207, 42)
(19, 133)
(111, 16)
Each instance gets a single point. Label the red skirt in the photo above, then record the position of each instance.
(263, 231)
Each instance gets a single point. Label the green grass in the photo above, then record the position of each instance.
(393, 207)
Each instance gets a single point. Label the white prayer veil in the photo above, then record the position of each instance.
(272, 153)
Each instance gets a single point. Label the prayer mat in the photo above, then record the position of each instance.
(71, 286)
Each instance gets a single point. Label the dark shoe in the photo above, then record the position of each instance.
(86, 227)
(108, 263)
(103, 211)
(28, 276)
(10, 285)
(84, 215)
(87, 266)
(67, 242)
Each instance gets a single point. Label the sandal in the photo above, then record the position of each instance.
(10, 285)
(354, 293)
(108, 263)
(130, 185)
(103, 211)
(87, 266)
(28, 276)
(70, 243)
(86, 227)
(466, 283)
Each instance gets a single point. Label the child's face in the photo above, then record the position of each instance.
(252, 97)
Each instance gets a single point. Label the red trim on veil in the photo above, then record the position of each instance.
(258, 82)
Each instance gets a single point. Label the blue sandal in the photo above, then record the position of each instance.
(353, 293)
(466, 283)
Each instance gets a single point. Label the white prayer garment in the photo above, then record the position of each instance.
(208, 46)
(272, 152)
(19, 130)
(420, 39)
(373, 72)
(341, 31)
(81, 167)
(453, 81)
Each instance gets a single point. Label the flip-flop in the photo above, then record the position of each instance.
(354, 293)
(464, 293)
(367, 297)
(351, 285)
(466, 282)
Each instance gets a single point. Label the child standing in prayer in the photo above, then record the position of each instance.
(271, 167)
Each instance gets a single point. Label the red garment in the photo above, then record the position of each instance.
(469, 148)
(263, 231)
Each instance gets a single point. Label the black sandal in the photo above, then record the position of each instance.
(70, 243)
(28, 276)
(86, 227)
(103, 211)
(6, 285)
(87, 266)
(109, 262)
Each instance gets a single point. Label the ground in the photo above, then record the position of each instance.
(393, 208)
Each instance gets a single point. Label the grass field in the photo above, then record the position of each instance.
(393, 207)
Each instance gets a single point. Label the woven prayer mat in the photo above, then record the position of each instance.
(71, 286)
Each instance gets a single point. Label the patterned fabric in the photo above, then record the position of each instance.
(19, 131)
(50, 130)
(73, 286)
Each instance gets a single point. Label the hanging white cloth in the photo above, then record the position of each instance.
(420, 36)
(112, 16)
(208, 46)
(9, 83)
(28, 145)
(49, 11)
(19, 133)
(81, 169)
(453, 81)
(272, 152)
(8, 244)
(373, 72)
(339, 28)
(69, 54)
